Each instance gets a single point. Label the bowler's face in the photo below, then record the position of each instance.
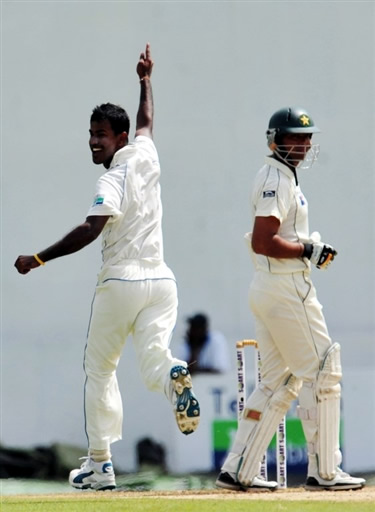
(104, 142)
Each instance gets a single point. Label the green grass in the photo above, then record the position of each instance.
(124, 504)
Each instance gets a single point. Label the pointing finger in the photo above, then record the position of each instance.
(148, 51)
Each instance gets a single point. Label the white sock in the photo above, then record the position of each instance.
(99, 455)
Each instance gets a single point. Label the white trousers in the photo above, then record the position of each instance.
(290, 327)
(147, 309)
(292, 337)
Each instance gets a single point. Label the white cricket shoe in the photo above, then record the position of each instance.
(93, 475)
(226, 481)
(184, 401)
(341, 482)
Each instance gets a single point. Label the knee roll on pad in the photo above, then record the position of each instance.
(330, 372)
(262, 428)
(328, 382)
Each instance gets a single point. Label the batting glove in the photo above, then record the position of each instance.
(320, 254)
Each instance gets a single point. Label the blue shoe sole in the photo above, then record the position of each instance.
(187, 406)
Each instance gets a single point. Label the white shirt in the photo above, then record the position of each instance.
(276, 194)
(129, 192)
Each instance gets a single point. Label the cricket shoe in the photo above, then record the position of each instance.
(226, 481)
(93, 475)
(341, 482)
(185, 403)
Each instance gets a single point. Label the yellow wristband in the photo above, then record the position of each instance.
(39, 260)
(146, 77)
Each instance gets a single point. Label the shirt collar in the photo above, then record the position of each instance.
(282, 167)
(122, 155)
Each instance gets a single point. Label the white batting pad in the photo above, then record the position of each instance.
(320, 414)
(329, 393)
(263, 428)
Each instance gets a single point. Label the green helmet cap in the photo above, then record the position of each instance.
(291, 120)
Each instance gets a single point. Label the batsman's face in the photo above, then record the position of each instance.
(104, 142)
(295, 147)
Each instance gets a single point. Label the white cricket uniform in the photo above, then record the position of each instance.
(135, 293)
(290, 327)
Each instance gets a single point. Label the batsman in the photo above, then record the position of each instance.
(299, 359)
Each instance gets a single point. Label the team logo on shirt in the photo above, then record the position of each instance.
(269, 193)
(98, 200)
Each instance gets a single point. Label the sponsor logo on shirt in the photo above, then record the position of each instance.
(302, 199)
(98, 200)
(269, 193)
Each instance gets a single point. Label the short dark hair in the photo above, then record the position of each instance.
(198, 320)
(116, 115)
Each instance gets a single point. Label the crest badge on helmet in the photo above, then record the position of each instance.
(304, 120)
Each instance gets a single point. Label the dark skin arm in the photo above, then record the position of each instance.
(72, 242)
(265, 240)
(145, 114)
(89, 230)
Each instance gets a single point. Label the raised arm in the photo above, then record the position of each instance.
(74, 241)
(145, 115)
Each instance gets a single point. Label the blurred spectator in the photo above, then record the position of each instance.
(204, 350)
